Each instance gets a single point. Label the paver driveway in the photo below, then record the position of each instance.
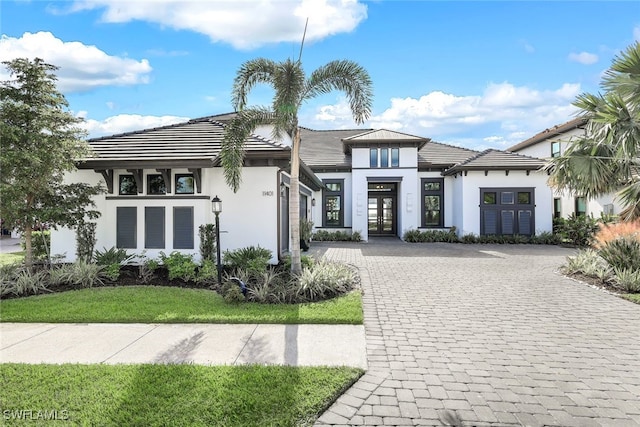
(487, 335)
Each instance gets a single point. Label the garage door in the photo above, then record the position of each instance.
(507, 211)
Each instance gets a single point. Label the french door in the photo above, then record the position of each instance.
(381, 214)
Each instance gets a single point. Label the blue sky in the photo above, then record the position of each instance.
(474, 74)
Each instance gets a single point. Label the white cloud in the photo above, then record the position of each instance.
(82, 67)
(125, 123)
(501, 116)
(585, 58)
(245, 24)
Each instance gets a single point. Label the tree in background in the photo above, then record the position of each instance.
(39, 142)
(292, 88)
(607, 158)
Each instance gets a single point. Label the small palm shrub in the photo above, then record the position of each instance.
(180, 266)
(252, 258)
(112, 255)
(325, 280)
(622, 253)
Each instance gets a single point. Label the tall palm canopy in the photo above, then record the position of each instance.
(607, 158)
(292, 88)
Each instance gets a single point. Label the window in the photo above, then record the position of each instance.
(333, 198)
(581, 206)
(555, 149)
(154, 227)
(126, 227)
(384, 157)
(184, 184)
(373, 158)
(557, 207)
(127, 185)
(432, 202)
(395, 157)
(156, 185)
(183, 227)
(507, 211)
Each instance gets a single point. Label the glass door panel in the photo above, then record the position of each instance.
(381, 214)
(386, 220)
(372, 214)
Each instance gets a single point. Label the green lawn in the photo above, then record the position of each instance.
(169, 395)
(632, 297)
(156, 304)
(12, 257)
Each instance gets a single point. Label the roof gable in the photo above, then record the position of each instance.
(383, 136)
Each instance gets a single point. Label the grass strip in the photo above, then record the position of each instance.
(156, 304)
(169, 395)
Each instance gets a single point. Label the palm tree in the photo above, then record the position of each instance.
(607, 158)
(292, 88)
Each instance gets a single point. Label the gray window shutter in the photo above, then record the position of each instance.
(126, 218)
(183, 227)
(154, 227)
(524, 222)
(490, 222)
(507, 222)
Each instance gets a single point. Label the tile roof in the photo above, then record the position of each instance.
(324, 148)
(549, 133)
(492, 159)
(195, 140)
(437, 154)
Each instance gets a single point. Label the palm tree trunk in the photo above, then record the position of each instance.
(294, 204)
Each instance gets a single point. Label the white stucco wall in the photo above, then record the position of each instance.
(467, 193)
(248, 218)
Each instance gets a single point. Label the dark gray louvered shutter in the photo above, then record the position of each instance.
(183, 227)
(154, 227)
(490, 224)
(507, 221)
(126, 227)
(524, 222)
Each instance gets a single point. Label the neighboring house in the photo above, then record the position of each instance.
(161, 181)
(552, 143)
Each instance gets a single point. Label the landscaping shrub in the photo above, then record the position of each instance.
(85, 240)
(18, 280)
(545, 238)
(306, 230)
(207, 272)
(587, 262)
(576, 230)
(231, 292)
(40, 244)
(305, 260)
(325, 280)
(207, 242)
(112, 255)
(622, 253)
(337, 236)
(254, 259)
(180, 266)
(86, 275)
(431, 236)
(627, 279)
(608, 232)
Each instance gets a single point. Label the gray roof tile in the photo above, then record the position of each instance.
(496, 159)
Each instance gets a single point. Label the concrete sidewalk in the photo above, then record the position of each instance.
(203, 344)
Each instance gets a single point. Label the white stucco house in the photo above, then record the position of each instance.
(160, 183)
(551, 143)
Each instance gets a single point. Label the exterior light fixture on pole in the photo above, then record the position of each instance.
(216, 208)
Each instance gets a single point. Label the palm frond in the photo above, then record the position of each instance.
(235, 137)
(288, 82)
(630, 198)
(345, 76)
(624, 74)
(259, 70)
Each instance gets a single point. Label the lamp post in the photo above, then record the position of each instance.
(216, 208)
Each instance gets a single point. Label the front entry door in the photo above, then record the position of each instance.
(381, 214)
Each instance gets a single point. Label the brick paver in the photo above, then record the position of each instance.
(487, 335)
